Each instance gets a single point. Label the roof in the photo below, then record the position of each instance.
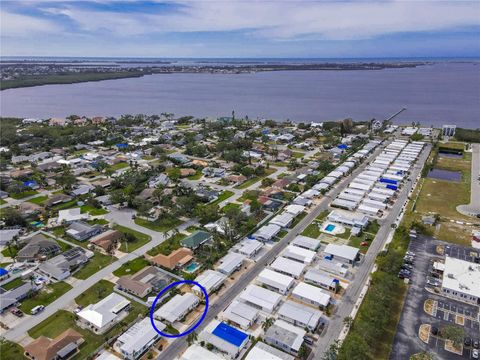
(230, 262)
(197, 352)
(196, 239)
(299, 254)
(288, 266)
(104, 311)
(312, 293)
(249, 246)
(44, 348)
(240, 313)
(176, 307)
(282, 220)
(139, 335)
(38, 245)
(306, 242)
(261, 297)
(275, 280)
(300, 313)
(210, 279)
(267, 232)
(71, 215)
(343, 251)
(230, 334)
(266, 352)
(287, 334)
(462, 276)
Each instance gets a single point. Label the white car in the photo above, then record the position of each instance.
(474, 354)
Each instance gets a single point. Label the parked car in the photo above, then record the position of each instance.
(467, 341)
(434, 330)
(37, 309)
(407, 266)
(475, 354)
(476, 344)
(16, 311)
(409, 253)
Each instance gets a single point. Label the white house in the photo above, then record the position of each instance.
(288, 267)
(177, 307)
(230, 263)
(276, 281)
(260, 298)
(285, 336)
(299, 254)
(342, 252)
(300, 315)
(242, 315)
(312, 295)
(211, 280)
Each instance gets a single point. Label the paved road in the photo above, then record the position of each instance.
(473, 208)
(352, 293)
(122, 217)
(174, 349)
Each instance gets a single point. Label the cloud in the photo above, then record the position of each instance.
(281, 19)
(17, 25)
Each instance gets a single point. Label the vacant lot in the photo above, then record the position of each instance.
(99, 261)
(163, 224)
(131, 267)
(169, 245)
(140, 239)
(45, 296)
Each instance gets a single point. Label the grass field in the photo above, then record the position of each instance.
(312, 230)
(45, 296)
(131, 267)
(118, 166)
(97, 262)
(229, 206)
(10, 252)
(92, 210)
(160, 225)
(140, 239)
(256, 179)
(24, 194)
(95, 293)
(10, 350)
(38, 200)
(223, 196)
(13, 284)
(198, 175)
(166, 248)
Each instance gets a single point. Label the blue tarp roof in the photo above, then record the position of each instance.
(122, 145)
(30, 183)
(342, 146)
(230, 334)
(3, 272)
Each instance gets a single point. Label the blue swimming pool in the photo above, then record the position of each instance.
(192, 267)
(330, 227)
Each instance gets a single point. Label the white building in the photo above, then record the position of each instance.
(262, 351)
(276, 281)
(349, 218)
(300, 315)
(306, 242)
(240, 314)
(133, 343)
(461, 280)
(177, 307)
(260, 298)
(211, 280)
(104, 314)
(299, 254)
(288, 267)
(227, 339)
(321, 279)
(249, 247)
(197, 352)
(283, 220)
(342, 252)
(285, 336)
(312, 295)
(267, 232)
(230, 263)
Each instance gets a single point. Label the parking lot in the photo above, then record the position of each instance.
(445, 311)
(440, 248)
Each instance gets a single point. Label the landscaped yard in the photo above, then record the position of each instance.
(11, 351)
(166, 248)
(312, 230)
(47, 295)
(223, 196)
(140, 239)
(95, 293)
(163, 224)
(97, 222)
(38, 200)
(10, 251)
(97, 262)
(23, 194)
(198, 175)
(65, 205)
(131, 267)
(255, 179)
(230, 206)
(117, 166)
(92, 210)
(13, 284)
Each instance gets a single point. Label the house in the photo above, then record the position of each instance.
(240, 314)
(61, 266)
(210, 280)
(148, 279)
(321, 279)
(267, 232)
(82, 190)
(160, 180)
(311, 295)
(213, 172)
(12, 296)
(276, 281)
(260, 298)
(138, 339)
(306, 242)
(196, 239)
(107, 240)
(300, 315)
(349, 218)
(64, 346)
(82, 231)
(71, 215)
(265, 351)
(236, 179)
(198, 352)
(177, 258)
(299, 254)
(184, 172)
(38, 247)
(177, 308)
(249, 247)
(288, 267)
(230, 263)
(7, 235)
(461, 280)
(344, 253)
(285, 336)
(57, 122)
(101, 316)
(283, 220)
(225, 338)
(57, 199)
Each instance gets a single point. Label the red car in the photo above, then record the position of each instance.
(17, 312)
(364, 243)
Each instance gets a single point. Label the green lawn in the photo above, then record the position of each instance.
(223, 196)
(10, 252)
(38, 200)
(23, 194)
(97, 262)
(345, 235)
(13, 284)
(282, 234)
(66, 205)
(140, 239)
(312, 231)
(131, 267)
(160, 225)
(117, 166)
(2, 202)
(98, 222)
(322, 215)
(10, 350)
(255, 179)
(230, 206)
(95, 293)
(166, 248)
(3, 265)
(92, 210)
(198, 175)
(63, 245)
(45, 296)
(298, 219)
(192, 229)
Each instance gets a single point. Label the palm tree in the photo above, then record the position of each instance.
(192, 337)
(267, 323)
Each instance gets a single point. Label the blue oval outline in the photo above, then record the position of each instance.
(176, 283)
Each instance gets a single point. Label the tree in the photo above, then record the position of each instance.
(266, 182)
(332, 351)
(267, 323)
(354, 348)
(303, 352)
(66, 179)
(13, 217)
(453, 333)
(348, 322)
(16, 187)
(207, 213)
(192, 337)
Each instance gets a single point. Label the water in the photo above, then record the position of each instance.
(448, 175)
(434, 95)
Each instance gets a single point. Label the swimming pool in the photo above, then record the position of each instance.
(330, 227)
(192, 267)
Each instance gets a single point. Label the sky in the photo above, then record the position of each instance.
(240, 28)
